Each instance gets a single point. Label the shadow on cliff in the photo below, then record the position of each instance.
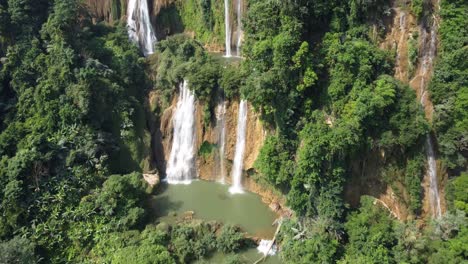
(168, 22)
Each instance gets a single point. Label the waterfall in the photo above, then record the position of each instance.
(432, 171)
(266, 248)
(221, 139)
(181, 163)
(428, 53)
(239, 27)
(227, 25)
(240, 147)
(400, 44)
(139, 26)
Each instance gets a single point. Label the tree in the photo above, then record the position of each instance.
(17, 251)
(371, 234)
(230, 239)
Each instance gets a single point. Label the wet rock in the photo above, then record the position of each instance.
(275, 207)
(151, 178)
(188, 216)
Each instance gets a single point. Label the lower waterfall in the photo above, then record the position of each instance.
(240, 147)
(432, 172)
(181, 163)
(220, 169)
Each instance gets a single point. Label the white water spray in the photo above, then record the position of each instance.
(227, 26)
(266, 248)
(181, 164)
(139, 26)
(240, 147)
(239, 27)
(221, 137)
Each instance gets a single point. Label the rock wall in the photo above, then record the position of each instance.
(366, 179)
(402, 28)
(167, 18)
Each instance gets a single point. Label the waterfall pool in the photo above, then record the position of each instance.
(247, 256)
(212, 201)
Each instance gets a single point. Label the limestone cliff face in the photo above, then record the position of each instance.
(404, 36)
(113, 10)
(170, 17)
(255, 137)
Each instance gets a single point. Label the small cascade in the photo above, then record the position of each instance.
(139, 26)
(402, 24)
(240, 147)
(428, 48)
(239, 27)
(220, 169)
(181, 163)
(266, 248)
(432, 171)
(227, 25)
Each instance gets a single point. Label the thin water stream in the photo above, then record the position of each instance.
(227, 28)
(240, 148)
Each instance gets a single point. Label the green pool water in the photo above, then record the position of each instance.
(212, 201)
(247, 256)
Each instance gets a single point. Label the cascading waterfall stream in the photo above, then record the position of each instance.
(139, 26)
(240, 147)
(239, 27)
(221, 137)
(227, 25)
(400, 43)
(428, 53)
(181, 163)
(432, 171)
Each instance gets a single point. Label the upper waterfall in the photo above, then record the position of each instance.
(227, 27)
(240, 147)
(139, 26)
(181, 163)
(239, 27)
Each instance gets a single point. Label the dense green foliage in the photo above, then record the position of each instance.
(334, 104)
(73, 137)
(164, 244)
(17, 250)
(374, 236)
(317, 76)
(458, 192)
(203, 17)
(72, 116)
(355, 108)
(449, 87)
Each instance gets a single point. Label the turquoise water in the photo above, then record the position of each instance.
(247, 256)
(212, 201)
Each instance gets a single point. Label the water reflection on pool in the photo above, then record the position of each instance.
(212, 201)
